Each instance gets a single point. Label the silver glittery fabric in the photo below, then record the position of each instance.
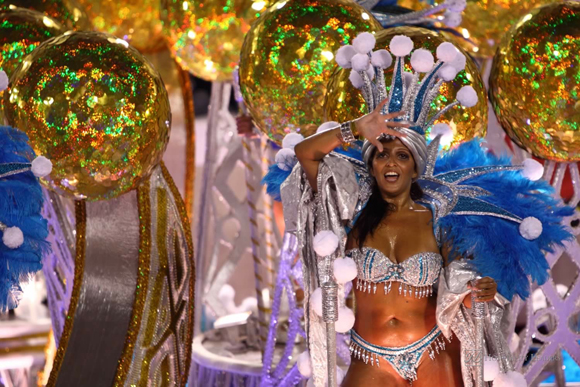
(414, 276)
(454, 318)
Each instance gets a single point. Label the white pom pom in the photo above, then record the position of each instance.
(447, 72)
(326, 126)
(490, 369)
(381, 59)
(467, 96)
(364, 43)
(344, 270)
(41, 166)
(304, 364)
(444, 131)
(316, 301)
(422, 60)
(538, 300)
(459, 62)
(361, 62)
(291, 140)
(401, 45)
(344, 56)
(452, 19)
(286, 159)
(249, 304)
(533, 170)
(456, 5)
(226, 294)
(3, 80)
(356, 79)
(13, 237)
(531, 228)
(325, 243)
(447, 52)
(345, 320)
(510, 379)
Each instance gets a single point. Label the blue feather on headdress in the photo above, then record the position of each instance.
(21, 202)
(495, 244)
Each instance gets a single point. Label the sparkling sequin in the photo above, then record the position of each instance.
(420, 271)
(535, 82)
(96, 108)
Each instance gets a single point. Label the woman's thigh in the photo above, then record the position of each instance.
(443, 370)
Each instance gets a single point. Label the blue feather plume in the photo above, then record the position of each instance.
(497, 248)
(276, 176)
(21, 201)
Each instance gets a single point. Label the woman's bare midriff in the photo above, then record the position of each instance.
(393, 320)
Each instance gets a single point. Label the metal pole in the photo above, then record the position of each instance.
(478, 317)
(330, 316)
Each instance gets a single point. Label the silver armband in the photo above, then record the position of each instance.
(346, 132)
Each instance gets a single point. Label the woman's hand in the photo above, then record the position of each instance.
(374, 124)
(485, 289)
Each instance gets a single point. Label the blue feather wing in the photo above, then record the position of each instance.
(497, 248)
(21, 202)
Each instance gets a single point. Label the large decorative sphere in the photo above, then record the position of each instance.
(206, 36)
(136, 21)
(288, 58)
(344, 102)
(535, 82)
(485, 22)
(21, 31)
(67, 12)
(96, 108)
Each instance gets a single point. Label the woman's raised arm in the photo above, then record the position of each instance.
(313, 149)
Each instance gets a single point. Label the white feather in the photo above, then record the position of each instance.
(364, 42)
(401, 45)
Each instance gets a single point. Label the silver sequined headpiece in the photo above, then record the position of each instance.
(411, 92)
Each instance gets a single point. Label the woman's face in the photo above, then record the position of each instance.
(394, 168)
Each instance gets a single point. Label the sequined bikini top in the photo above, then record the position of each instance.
(415, 275)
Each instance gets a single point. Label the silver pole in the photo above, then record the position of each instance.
(330, 316)
(478, 317)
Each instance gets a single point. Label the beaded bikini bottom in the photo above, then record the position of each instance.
(405, 360)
